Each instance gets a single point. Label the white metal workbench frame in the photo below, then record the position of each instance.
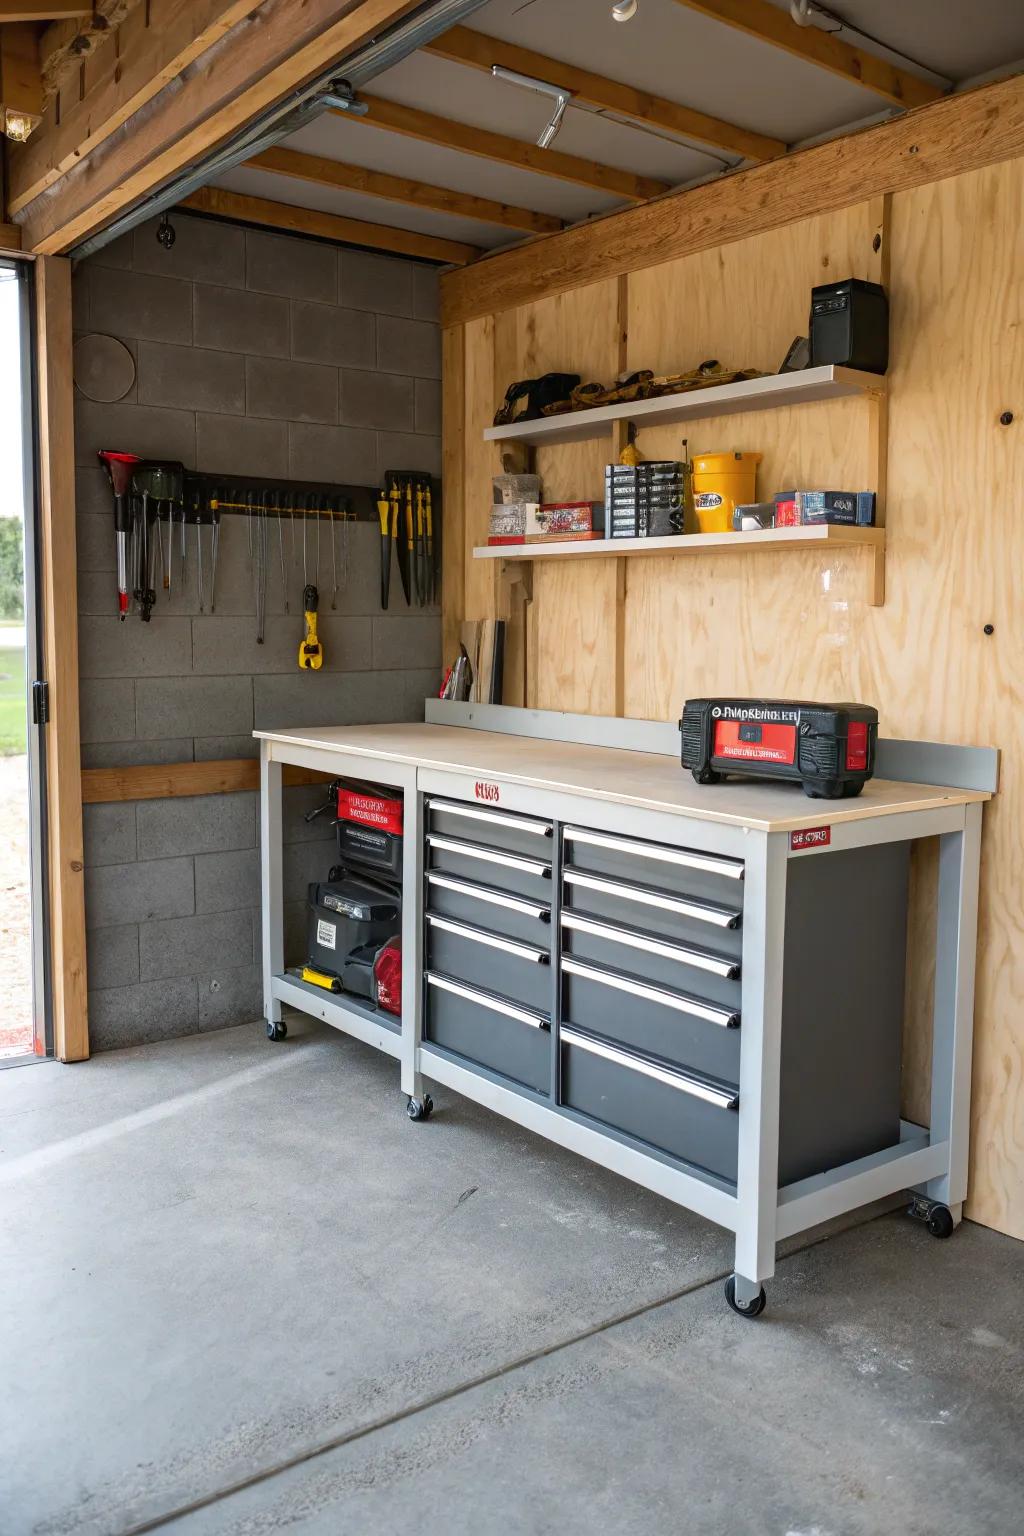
(930, 1161)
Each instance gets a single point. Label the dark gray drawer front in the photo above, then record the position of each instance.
(683, 871)
(686, 920)
(643, 1024)
(504, 830)
(478, 1028)
(696, 969)
(521, 874)
(471, 901)
(489, 960)
(660, 1111)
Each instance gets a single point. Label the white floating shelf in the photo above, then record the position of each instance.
(827, 536)
(828, 382)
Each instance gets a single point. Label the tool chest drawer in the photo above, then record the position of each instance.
(484, 958)
(683, 1028)
(684, 919)
(707, 972)
(709, 877)
(503, 830)
(494, 1031)
(520, 874)
(472, 901)
(680, 1113)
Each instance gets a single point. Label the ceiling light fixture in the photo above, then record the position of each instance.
(624, 11)
(562, 98)
(18, 125)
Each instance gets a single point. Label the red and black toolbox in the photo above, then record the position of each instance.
(829, 749)
(369, 827)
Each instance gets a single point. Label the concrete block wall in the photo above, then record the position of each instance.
(256, 354)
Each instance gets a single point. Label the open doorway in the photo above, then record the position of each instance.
(23, 1017)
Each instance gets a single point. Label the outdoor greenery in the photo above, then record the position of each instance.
(12, 701)
(12, 569)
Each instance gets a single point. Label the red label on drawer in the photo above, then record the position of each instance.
(486, 791)
(810, 837)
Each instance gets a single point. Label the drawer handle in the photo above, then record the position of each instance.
(727, 1018)
(695, 1086)
(701, 959)
(486, 1000)
(732, 869)
(704, 912)
(521, 904)
(490, 855)
(492, 940)
(497, 818)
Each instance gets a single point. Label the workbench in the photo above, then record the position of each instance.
(700, 988)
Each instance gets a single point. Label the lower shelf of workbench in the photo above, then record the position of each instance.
(352, 1015)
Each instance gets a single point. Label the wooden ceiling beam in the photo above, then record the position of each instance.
(769, 24)
(461, 45)
(283, 47)
(46, 10)
(322, 172)
(415, 124)
(67, 42)
(327, 226)
(957, 134)
(156, 43)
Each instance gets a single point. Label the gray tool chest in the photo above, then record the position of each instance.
(625, 1004)
(700, 988)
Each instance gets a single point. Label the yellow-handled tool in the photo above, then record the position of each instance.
(387, 530)
(320, 979)
(311, 651)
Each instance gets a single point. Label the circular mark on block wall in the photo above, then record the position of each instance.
(104, 369)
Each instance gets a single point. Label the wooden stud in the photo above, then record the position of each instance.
(323, 172)
(10, 237)
(67, 42)
(398, 118)
(453, 459)
(328, 226)
(880, 224)
(770, 24)
(960, 133)
(21, 89)
(46, 10)
(58, 575)
(464, 46)
(170, 781)
(222, 91)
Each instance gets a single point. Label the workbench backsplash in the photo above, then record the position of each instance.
(256, 354)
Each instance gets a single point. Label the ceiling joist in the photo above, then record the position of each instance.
(327, 226)
(769, 24)
(46, 10)
(415, 124)
(463, 46)
(322, 172)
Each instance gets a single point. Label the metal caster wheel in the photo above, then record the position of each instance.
(940, 1221)
(749, 1309)
(420, 1109)
(277, 1031)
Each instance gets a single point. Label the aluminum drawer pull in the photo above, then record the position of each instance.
(700, 959)
(490, 855)
(493, 940)
(727, 1018)
(691, 1085)
(704, 912)
(521, 904)
(731, 868)
(498, 818)
(486, 1000)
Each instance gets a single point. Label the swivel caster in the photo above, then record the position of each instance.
(420, 1109)
(940, 1221)
(745, 1309)
(277, 1031)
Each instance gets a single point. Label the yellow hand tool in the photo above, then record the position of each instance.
(428, 510)
(386, 515)
(410, 542)
(421, 549)
(321, 979)
(311, 651)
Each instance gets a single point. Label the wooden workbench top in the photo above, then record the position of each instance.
(643, 779)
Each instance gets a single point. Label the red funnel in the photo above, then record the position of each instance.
(119, 467)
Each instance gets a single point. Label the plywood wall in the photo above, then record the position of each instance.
(637, 637)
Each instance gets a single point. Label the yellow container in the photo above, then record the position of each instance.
(722, 481)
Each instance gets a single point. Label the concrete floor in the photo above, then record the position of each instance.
(243, 1294)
